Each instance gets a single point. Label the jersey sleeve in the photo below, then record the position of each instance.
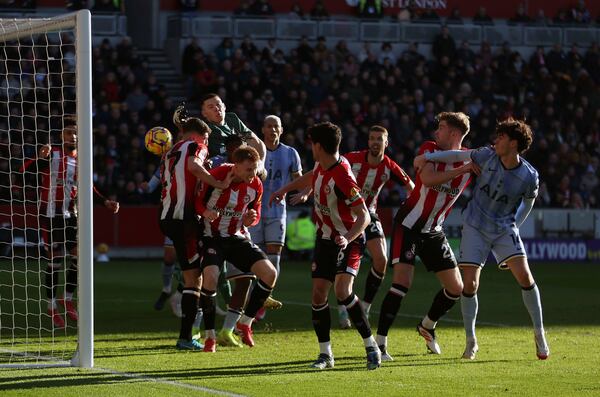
(240, 127)
(353, 157)
(427, 147)
(398, 174)
(296, 163)
(483, 154)
(533, 186)
(256, 204)
(154, 181)
(346, 187)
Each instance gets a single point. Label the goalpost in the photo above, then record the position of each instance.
(45, 80)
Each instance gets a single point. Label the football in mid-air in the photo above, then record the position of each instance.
(158, 140)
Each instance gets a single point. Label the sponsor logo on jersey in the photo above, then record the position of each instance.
(452, 192)
(323, 208)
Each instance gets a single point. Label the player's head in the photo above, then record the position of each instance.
(272, 130)
(378, 140)
(245, 163)
(213, 108)
(325, 138)
(232, 142)
(512, 137)
(196, 128)
(69, 137)
(452, 128)
(180, 115)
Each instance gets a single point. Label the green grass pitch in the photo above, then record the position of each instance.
(135, 355)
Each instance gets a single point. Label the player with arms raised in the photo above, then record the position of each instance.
(503, 196)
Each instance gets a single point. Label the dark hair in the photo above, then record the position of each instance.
(244, 153)
(194, 124)
(456, 120)
(207, 97)
(328, 135)
(378, 128)
(516, 130)
(234, 140)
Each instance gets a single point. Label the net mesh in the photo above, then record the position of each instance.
(37, 100)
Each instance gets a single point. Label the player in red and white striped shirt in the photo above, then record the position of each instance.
(418, 231)
(227, 213)
(58, 218)
(373, 169)
(341, 216)
(181, 169)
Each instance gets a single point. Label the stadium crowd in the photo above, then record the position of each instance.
(557, 90)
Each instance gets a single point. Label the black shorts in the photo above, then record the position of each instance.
(433, 248)
(329, 260)
(185, 235)
(59, 232)
(240, 252)
(375, 229)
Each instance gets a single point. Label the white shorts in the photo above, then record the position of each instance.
(475, 246)
(232, 272)
(269, 231)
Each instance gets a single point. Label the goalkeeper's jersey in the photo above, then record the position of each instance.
(178, 182)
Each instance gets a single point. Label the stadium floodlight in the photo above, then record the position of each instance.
(45, 82)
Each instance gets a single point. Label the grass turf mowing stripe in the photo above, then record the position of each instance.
(168, 382)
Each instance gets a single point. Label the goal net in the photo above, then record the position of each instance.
(46, 311)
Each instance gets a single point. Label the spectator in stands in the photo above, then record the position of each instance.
(429, 15)
(225, 49)
(387, 53)
(561, 18)
(296, 12)
(319, 11)
(540, 18)
(243, 9)
(482, 17)
(521, 15)
(443, 44)
(261, 8)
(579, 13)
(370, 9)
(107, 6)
(556, 60)
(406, 14)
(188, 58)
(454, 17)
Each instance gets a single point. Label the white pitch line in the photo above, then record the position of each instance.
(163, 381)
(449, 320)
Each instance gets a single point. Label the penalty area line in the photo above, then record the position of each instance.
(163, 381)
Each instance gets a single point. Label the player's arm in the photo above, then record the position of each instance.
(401, 177)
(200, 204)
(362, 221)
(110, 204)
(346, 189)
(153, 183)
(257, 143)
(252, 216)
(528, 200)
(41, 162)
(430, 177)
(300, 183)
(196, 167)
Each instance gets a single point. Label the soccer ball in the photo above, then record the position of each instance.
(158, 140)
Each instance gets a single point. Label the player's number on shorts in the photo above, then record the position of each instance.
(375, 227)
(446, 251)
(515, 240)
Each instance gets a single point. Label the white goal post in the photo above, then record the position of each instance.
(23, 346)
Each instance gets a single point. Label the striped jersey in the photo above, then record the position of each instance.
(280, 164)
(426, 208)
(59, 182)
(178, 182)
(231, 203)
(498, 191)
(372, 178)
(335, 193)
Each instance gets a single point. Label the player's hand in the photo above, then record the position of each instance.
(341, 241)
(224, 184)
(250, 217)
(44, 151)
(300, 197)
(112, 205)
(277, 197)
(472, 168)
(419, 162)
(144, 186)
(211, 215)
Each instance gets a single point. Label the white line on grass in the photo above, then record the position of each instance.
(449, 320)
(169, 382)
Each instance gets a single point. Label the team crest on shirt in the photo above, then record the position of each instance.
(327, 189)
(247, 199)
(384, 177)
